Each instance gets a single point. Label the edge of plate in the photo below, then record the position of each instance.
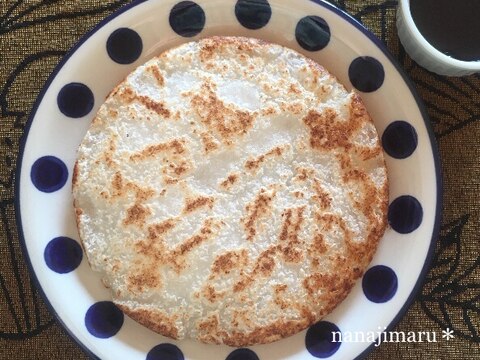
(328, 6)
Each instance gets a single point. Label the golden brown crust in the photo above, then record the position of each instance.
(155, 320)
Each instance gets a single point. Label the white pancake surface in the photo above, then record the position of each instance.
(230, 191)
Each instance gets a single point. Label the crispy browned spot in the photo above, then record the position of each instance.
(257, 209)
(318, 246)
(194, 203)
(175, 146)
(205, 233)
(290, 244)
(321, 197)
(292, 107)
(303, 173)
(209, 142)
(159, 230)
(213, 113)
(327, 132)
(137, 214)
(209, 330)
(157, 75)
(153, 319)
(143, 280)
(117, 184)
(75, 174)
(211, 294)
(229, 181)
(265, 263)
(128, 95)
(255, 163)
(263, 267)
(107, 155)
(293, 89)
(225, 263)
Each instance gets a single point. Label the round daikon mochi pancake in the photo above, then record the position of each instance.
(230, 191)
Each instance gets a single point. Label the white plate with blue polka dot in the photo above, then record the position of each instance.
(143, 29)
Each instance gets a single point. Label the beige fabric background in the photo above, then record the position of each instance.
(34, 35)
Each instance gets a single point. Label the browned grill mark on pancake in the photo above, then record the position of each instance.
(177, 257)
(128, 95)
(293, 89)
(321, 197)
(159, 230)
(295, 108)
(229, 261)
(154, 69)
(327, 132)
(298, 194)
(175, 146)
(211, 294)
(143, 280)
(279, 291)
(290, 243)
(255, 163)
(213, 113)
(158, 107)
(209, 142)
(153, 249)
(256, 210)
(75, 174)
(209, 330)
(263, 267)
(112, 113)
(119, 188)
(303, 174)
(205, 233)
(328, 222)
(136, 215)
(317, 248)
(229, 181)
(265, 263)
(155, 253)
(107, 155)
(194, 203)
(117, 184)
(153, 319)
(268, 111)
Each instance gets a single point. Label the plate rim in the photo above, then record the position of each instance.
(323, 3)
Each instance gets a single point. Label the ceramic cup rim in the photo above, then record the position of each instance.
(429, 49)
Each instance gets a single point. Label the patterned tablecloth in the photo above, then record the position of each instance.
(35, 34)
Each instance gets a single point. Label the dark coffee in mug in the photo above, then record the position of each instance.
(451, 26)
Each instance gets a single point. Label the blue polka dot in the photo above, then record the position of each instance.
(63, 255)
(165, 352)
(399, 139)
(49, 174)
(187, 18)
(405, 214)
(103, 319)
(323, 339)
(312, 33)
(253, 14)
(242, 354)
(75, 100)
(366, 74)
(124, 46)
(379, 283)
